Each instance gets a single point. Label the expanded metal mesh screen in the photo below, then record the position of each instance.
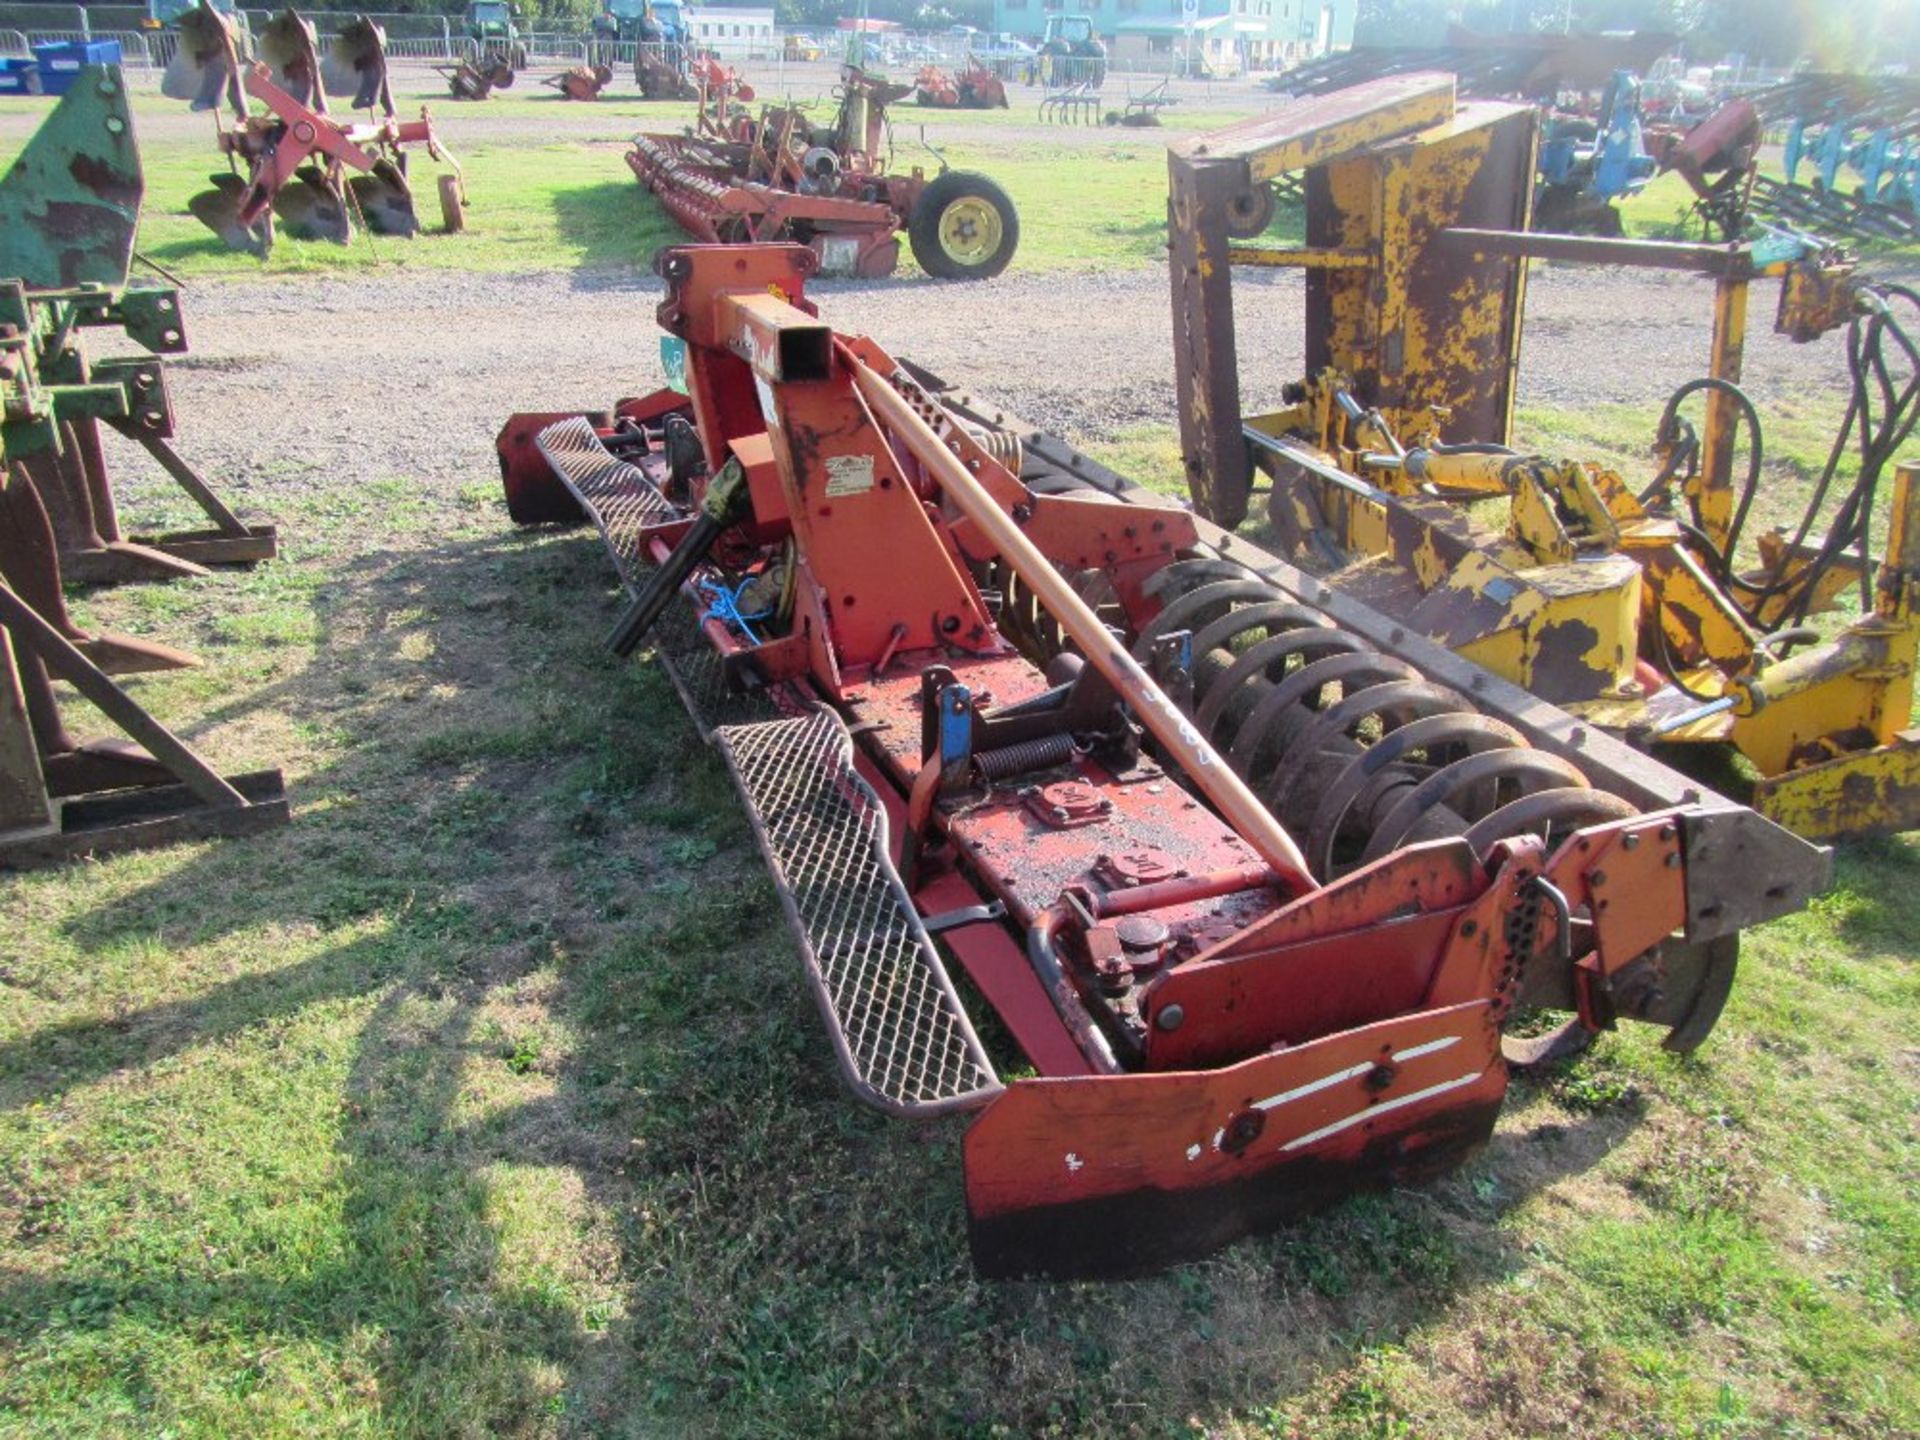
(825, 837)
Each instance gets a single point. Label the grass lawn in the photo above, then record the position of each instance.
(486, 1099)
(564, 198)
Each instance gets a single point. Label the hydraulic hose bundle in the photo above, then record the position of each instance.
(1883, 361)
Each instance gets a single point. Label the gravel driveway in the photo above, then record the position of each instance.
(410, 375)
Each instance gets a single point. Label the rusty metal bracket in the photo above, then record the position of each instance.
(60, 799)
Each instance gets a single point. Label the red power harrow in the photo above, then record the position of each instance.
(985, 702)
(735, 179)
(581, 82)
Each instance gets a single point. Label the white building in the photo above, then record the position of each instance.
(730, 30)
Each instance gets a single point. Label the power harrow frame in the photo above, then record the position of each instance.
(581, 82)
(1639, 609)
(669, 70)
(733, 178)
(468, 80)
(976, 690)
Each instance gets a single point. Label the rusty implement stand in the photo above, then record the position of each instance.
(69, 212)
(79, 395)
(61, 798)
(581, 82)
(1251, 876)
(68, 209)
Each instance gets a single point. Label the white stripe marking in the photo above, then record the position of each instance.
(1354, 1072)
(1382, 1108)
(1427, 1049)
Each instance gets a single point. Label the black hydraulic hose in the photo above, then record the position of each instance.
(1878, 441)
(1683, 451)
(1669, 433)
(1881, 414)
(727, 503)
(1672, 671)
(654, 597)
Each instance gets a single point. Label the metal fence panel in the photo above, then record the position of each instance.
(330, 22)
(556, 48)
(101, 18)
(135, 52)
(434, 48)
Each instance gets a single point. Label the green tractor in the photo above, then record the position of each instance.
(171, 17)
(493, 25)
(1072, 53)
(165, 14)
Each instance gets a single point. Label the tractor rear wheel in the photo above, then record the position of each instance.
(963, 228)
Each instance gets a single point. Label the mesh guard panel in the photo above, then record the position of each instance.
(897, 1027)
(617, 495)
(899, 1030)
(623, 501)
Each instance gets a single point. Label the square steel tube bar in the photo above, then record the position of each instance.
(781, 342)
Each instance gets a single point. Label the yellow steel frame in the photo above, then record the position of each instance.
(1584, 595)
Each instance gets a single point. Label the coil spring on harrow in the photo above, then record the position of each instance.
(1352, 749)
(1358, 754)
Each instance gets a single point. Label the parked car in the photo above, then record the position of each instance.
(1003, 46)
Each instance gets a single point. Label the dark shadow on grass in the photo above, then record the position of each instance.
(434, 829)
(790, 1263)
(417, 1256)
(369, 839)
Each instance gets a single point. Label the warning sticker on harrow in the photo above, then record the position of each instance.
(849, 474)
